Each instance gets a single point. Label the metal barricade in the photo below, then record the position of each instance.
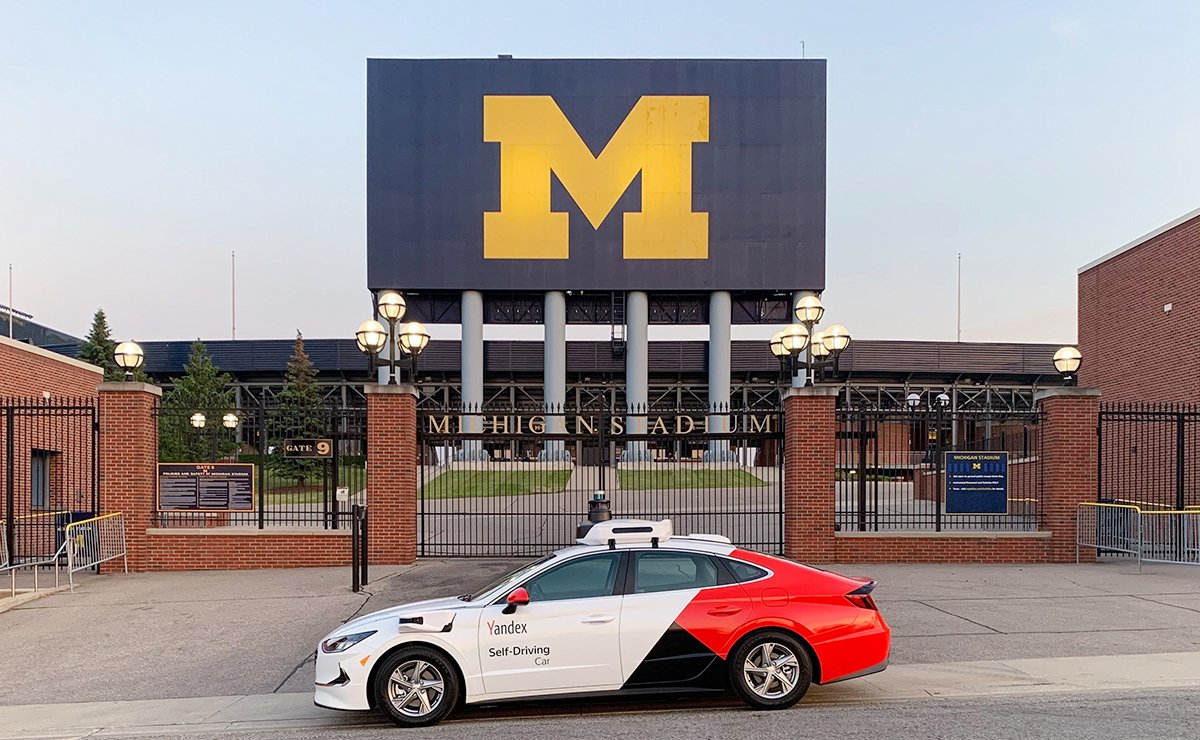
(1152, 536)
(90, 542)
(1107, 528)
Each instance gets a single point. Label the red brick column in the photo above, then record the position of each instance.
(1069, 462)
(810, 452)
(392, 474)
(128, 459)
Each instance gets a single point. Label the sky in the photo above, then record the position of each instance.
(142, 142)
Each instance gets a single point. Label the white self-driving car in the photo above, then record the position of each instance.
(630, 609)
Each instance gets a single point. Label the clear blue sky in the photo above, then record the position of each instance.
(140, 142)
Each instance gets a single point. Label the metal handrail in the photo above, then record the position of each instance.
(1183, 538)
(83, 552)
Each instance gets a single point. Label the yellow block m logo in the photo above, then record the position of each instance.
(536, 138)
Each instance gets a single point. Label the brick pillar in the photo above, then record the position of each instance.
(128, 460)
(392, 474)
(1069, 463)
(810, 452)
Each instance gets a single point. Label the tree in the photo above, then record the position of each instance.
(300, 415)
(98, 348)
(205, 389)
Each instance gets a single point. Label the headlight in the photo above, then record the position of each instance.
(338, 644)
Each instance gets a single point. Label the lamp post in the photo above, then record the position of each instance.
(821, 348)
(129, 357)
(413, 339)
(1067, 362)
(370, 337)
(391, 307)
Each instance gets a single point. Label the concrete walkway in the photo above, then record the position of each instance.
(256, 712)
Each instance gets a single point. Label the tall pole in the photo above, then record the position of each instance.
(10, 302)
(958, 302)
(232, 295)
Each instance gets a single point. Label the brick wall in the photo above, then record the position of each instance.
(1132, 349)
(392, 473)
(239, 548)
(1066, 466)
(53, 396)
(128, 459)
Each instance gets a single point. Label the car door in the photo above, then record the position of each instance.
(677, 616)
(564, 639)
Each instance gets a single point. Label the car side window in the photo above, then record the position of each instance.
(743, 572)
(673, 571)
(583, 578)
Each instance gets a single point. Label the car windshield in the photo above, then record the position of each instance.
(510, 579)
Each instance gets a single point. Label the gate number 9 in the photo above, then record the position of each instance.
(323, 448)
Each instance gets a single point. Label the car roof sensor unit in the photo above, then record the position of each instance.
(627, 531)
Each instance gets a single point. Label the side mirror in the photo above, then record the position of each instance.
(518, 597)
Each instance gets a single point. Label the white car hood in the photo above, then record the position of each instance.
(435, 614)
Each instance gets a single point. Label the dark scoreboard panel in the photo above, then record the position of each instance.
(557, 174)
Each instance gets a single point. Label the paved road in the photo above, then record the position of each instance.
(1162, 715)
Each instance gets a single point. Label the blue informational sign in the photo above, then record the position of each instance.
(976, 482)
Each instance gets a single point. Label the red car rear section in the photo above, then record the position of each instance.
(835, 615)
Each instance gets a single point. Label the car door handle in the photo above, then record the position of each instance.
(724, 611)
(599, 619)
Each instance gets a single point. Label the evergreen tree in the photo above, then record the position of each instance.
(202, 388)
(300, 415)
(98, 348)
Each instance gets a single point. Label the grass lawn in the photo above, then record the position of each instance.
(478, 483)
(658, 480)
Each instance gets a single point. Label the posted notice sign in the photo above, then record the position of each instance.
(976, 482)
(206, 487)
(312, 448)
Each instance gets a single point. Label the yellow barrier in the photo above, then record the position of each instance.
(1157, 535)
(90, 542)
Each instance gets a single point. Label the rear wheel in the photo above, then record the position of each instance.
(770, 670)
(416, 687)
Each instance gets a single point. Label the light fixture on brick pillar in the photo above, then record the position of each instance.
(413, 339)
(198, 420)
(1067, 362)
(391, 307)
(821, 348)
(370, 338)
(230, 420)
(129, 357)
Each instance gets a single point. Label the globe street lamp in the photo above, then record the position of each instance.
(779, 351)
(370, 337)
(1067, 362)
(413, 339)
(391, 307)
(129, 357)
(230, 420)
(198, 420)
(821, 348)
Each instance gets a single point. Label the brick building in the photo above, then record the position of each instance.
(1139, 317)
(48, 440)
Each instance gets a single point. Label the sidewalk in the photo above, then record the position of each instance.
(900, 683)
(166, 636)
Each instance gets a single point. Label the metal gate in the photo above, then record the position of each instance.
(1149, 455)
(891, 469)
(515, 481)
(288, 491)
(49, 472)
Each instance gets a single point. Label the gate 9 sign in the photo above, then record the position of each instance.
(308, 448)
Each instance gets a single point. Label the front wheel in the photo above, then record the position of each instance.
(416, 687)
(771, 670)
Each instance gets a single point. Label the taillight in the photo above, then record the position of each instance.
(861, 597)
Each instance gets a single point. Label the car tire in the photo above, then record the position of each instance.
(417, 687)
(770, 670)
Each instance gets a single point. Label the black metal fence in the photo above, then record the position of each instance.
(1149, 455)
(891, 468)
(288, 491)
(516, 481)
(49, 472)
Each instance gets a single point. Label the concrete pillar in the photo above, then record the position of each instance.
(637, 372)
(554, 374)
(392, 467)
(472, 371)
(720, 318)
